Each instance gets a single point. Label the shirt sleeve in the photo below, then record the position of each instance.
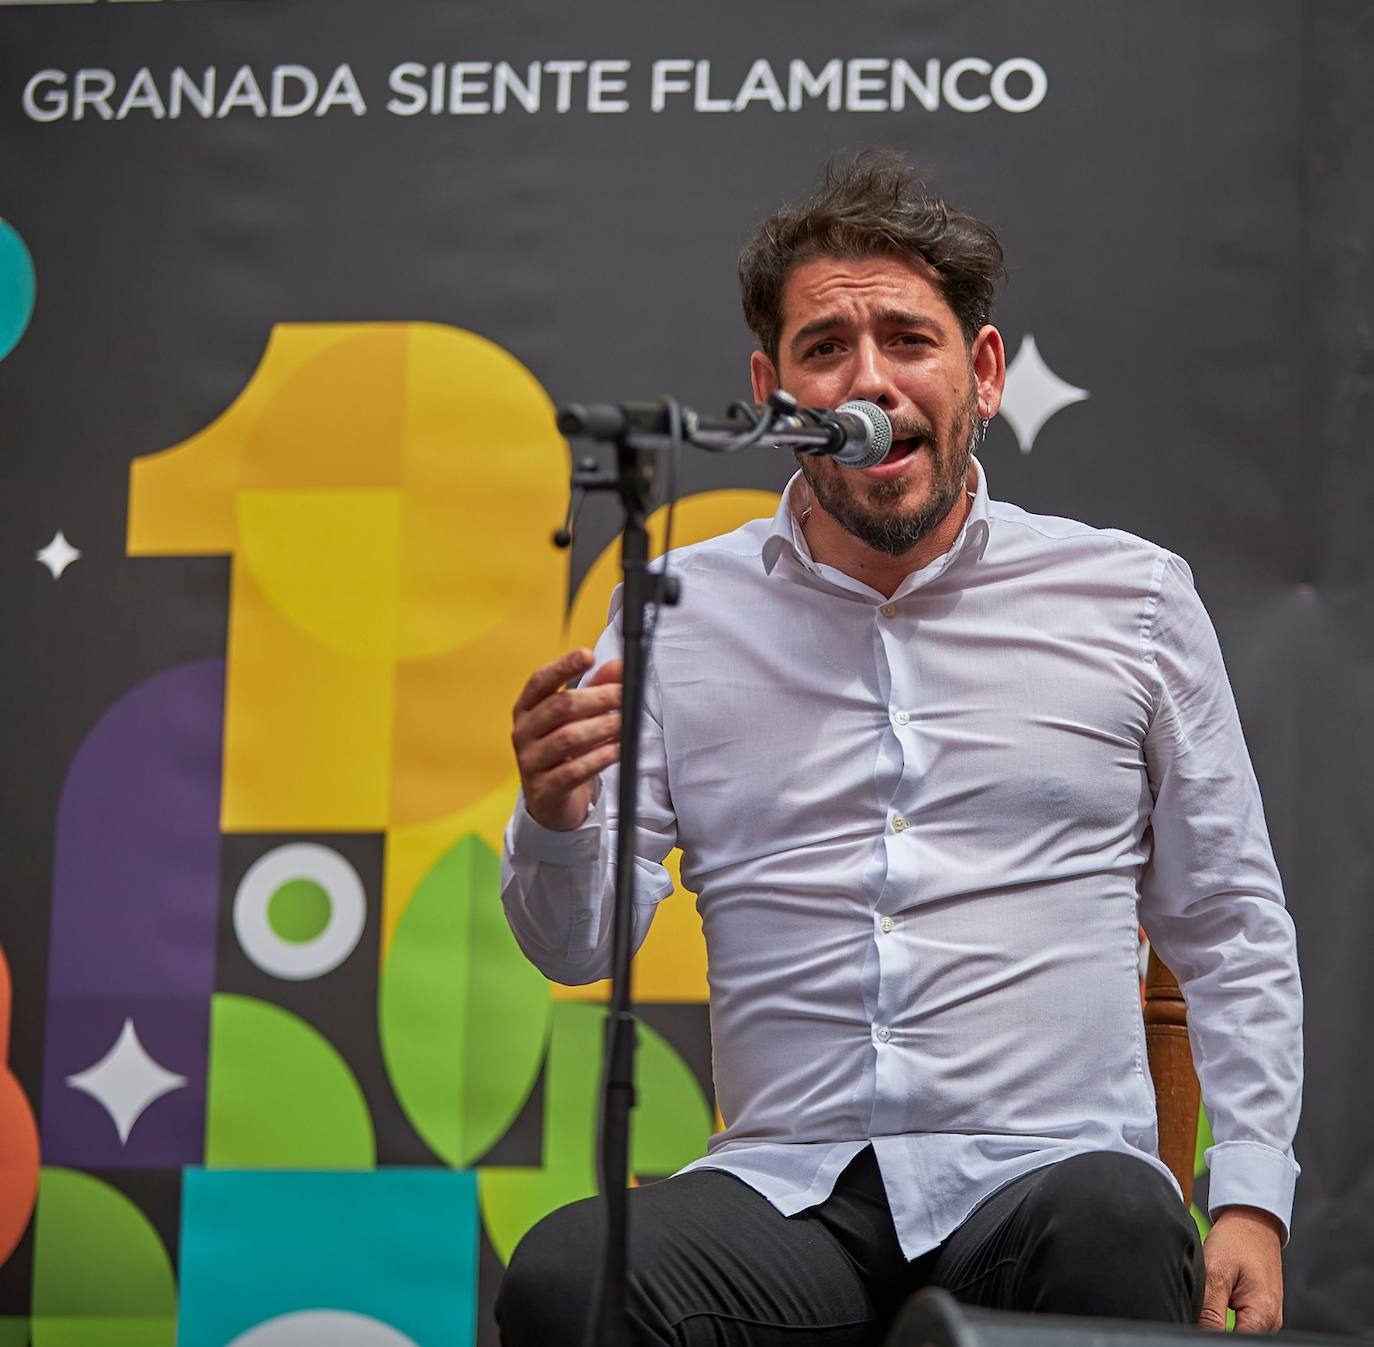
(1212, 904)
(558, 888)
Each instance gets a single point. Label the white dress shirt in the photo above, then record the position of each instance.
(924, 830)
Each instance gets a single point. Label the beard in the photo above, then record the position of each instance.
(865, 508)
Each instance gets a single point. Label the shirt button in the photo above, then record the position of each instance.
(885, 924)
(900, 717)
(898, 823)
(888, 610)
(883, 1034)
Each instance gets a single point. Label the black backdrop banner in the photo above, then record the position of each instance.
(288, 289)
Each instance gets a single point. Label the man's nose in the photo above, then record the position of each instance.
(872, 378)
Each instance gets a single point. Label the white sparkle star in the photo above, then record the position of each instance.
(1034, 393)
(126, 1080)
(58, 554)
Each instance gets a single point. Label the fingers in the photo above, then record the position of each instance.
(551, 677)
(1244, 1271)
(1258, 1319)
(1216, 1295)
(1214, 1304)
(560, 795)
(1258, 1304)
(565, 736)
(547, 695)
(565, 707)
(613, 671)
(567, 742)
(552, 786)
(1259, 1308)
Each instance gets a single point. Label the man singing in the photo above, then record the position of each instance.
(931, 760)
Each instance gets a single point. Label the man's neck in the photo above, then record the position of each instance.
(832, 545)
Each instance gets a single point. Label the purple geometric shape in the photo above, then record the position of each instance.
(136, 880)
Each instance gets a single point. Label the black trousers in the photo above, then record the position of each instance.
(711, 1262)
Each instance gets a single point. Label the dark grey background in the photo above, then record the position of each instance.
(1188, 222)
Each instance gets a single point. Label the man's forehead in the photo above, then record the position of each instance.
(898, 282)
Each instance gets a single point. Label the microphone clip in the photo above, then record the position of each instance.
(587, 475)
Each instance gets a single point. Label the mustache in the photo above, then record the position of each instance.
(911, 428)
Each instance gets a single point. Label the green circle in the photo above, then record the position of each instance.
(17, 287)
(299, 910)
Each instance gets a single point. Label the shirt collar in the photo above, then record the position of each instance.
(785, 532)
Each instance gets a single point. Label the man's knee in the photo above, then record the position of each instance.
(1108, 1191)
(1112, 1238)
(546, 1295)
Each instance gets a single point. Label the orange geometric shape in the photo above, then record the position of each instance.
(387, 491)
(182, 499)
(336, 418)
(485, 478)
(19, 1161)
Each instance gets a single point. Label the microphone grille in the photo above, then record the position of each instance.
(880, 437)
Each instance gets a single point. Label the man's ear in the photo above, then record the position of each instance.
(989, 360)
(763, 376)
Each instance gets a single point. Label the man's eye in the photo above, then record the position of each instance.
(913, 339)
(824, 348)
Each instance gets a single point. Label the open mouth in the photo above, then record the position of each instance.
(902, 450)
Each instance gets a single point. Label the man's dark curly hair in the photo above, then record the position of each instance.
(873, 206)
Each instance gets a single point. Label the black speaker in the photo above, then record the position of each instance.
(933, 1318)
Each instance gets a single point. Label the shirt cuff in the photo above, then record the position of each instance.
(577, 846)
(1251, 1174)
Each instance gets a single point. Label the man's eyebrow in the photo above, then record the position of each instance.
(829, 322)
(905, 318)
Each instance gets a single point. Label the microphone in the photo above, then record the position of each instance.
(860, 433)
(856, 434)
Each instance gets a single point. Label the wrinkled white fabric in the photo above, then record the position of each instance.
(924, 832)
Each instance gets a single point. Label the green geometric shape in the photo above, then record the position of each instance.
(14, 1332)
(1204, 1142)
(101, 1277)
(299, 910)
(673, 1121)
(669, 1127)
(462, 1013)
(279, 1094)
(1200, 1220)
(18, 286)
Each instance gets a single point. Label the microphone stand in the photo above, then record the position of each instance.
(638, 431)
(633, 479)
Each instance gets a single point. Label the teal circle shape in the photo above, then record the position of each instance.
(17, 287)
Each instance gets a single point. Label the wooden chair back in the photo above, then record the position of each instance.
(1177, 1094)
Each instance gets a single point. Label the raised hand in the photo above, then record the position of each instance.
(565, 736)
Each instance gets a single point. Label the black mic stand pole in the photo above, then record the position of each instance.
(633, 479)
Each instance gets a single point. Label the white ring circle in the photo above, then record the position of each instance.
(298, 960)
(310, 1328)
